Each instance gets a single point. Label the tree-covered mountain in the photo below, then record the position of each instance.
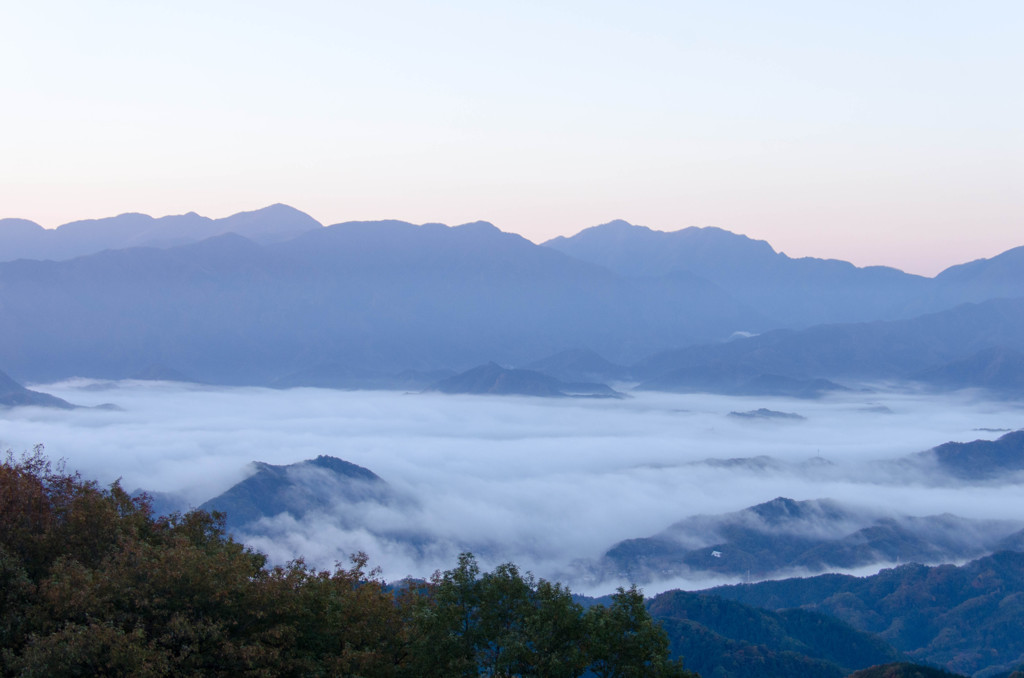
(967, 619)
(316, 485)
(903, 670)
(979, 460)
(91, 584)
(720, 638)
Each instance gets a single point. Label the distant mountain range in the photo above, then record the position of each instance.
(23, 239)
(795, 292)
(272, 297)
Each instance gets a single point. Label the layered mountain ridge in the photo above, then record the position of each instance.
(271, 297)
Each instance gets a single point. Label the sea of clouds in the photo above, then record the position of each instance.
(546, 483)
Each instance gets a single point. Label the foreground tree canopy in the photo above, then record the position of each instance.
(91, 583)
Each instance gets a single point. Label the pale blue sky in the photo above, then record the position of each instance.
(878, 132)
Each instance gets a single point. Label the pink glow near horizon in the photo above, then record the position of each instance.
(875, 133)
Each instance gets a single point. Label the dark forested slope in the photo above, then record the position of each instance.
(966, 619)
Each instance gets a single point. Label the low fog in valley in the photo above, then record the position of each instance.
(551, 484)
(721, 302)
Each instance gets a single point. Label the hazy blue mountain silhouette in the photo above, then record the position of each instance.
(23, 239)
(157, 372)
(384, 296)
(493, 379)
(737, 379)
(13, 394)
(995, 368)
(352, 377)
(784, 535)
(580, 365)
(764, 414)
(999, 276)
(794, 292)
(388, 304)
(893, 350)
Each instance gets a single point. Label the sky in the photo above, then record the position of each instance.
(875, 132)
(543, 482)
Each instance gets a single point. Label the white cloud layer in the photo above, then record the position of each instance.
(541, 482)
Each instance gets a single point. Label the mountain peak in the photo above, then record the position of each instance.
(619, 224)
(479, 226)
(274, 223)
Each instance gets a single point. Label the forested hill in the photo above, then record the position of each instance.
(966, 619)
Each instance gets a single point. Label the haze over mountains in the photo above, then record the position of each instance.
(24, 239)
(273, 297)
(784, 536)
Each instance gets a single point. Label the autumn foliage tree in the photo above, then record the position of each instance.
(91, 583)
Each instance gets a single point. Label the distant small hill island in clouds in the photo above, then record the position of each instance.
(273, 297)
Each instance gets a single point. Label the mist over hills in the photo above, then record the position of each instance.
(980, 460)
(316, 485)
(898, 349)
(784, 536)
(273, 297)
(23, 239)
(386, 297)
(781, 537)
